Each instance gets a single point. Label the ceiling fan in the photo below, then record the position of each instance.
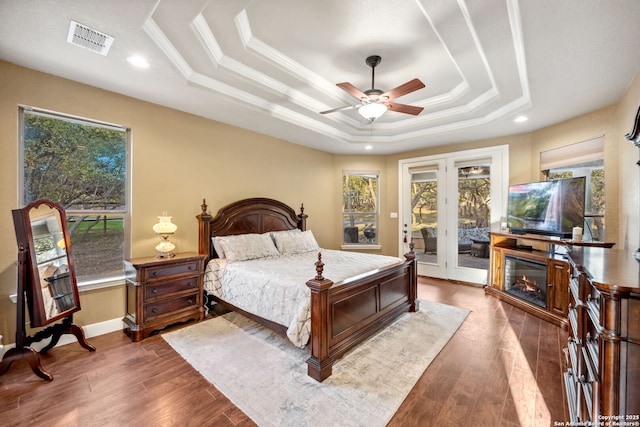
(374, 102)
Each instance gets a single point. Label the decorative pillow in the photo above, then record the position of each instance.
(242, 247)
(217, 246)
(274, 233)
(296, 243)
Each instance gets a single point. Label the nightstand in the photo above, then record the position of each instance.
(162, 292)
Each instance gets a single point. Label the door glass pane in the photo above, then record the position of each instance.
(474, 208)
(424, 219)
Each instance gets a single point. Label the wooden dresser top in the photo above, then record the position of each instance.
(614, 269)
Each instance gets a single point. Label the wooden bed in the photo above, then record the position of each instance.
(343, 314)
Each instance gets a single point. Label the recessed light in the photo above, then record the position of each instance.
(368, 147)
(138, 61)
(521, 119)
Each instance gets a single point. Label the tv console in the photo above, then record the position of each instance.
(545, 293)
(533, 253)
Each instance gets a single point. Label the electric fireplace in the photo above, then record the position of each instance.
(526, 279)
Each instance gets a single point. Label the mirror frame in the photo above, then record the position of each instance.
(25, 238)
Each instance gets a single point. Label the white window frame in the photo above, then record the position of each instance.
(98, 282)
(365, 245)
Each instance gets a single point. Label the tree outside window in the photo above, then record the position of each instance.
(82, 165)
(360, 207)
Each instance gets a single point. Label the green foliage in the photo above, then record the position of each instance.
(76, 165)
(360, 193)
(597, 191)
(474, 202)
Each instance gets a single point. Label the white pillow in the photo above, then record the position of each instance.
(296, 243)
(218, 247)
(242, 247)
(275, 233)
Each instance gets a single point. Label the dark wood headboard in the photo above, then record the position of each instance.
(256, 215)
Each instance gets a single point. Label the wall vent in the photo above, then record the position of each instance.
(88, 38)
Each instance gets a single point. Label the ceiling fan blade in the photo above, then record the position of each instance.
(351, 89)
(403, 89)
(403, 108)
(339, 108)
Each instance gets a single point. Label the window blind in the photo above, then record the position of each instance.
(573, 154)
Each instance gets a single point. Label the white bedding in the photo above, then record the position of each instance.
(275, 288)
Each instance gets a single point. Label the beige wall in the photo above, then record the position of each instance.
(179, 159)
(627, 186)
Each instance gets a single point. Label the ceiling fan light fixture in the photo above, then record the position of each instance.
(372, 110)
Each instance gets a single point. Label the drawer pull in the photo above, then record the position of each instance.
(154, 310)
(190, 301)
(190, 267)
(155, 291)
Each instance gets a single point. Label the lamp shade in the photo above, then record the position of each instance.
(372, 110)
(165, 226)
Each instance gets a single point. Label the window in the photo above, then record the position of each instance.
(360, 208)
(582, 159)
(594, 194)
(82, 165)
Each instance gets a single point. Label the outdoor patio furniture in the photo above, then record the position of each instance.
(429, 235)
(466, 238)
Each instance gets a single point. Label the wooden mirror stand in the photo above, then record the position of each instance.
(46, 281)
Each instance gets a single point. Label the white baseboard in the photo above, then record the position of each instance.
(92, 330)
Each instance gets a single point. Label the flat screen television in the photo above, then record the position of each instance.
(549, 208)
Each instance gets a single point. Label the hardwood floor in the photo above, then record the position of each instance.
(502, 368)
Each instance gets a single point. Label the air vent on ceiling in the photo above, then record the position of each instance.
(88, 38)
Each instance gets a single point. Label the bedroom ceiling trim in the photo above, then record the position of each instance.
(354, 131)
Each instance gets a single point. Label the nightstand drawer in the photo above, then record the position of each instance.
(164, 271)
(169, 306)
(152, 291)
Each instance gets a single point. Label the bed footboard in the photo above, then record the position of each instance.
(343, 314)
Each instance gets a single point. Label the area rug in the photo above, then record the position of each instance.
(265, 375)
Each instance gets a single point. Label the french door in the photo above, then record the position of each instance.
(448, 205)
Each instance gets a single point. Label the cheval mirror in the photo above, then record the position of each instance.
(47, 279)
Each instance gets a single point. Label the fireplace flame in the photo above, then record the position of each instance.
(527, 285)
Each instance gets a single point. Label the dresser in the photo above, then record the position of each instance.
(602, 377)
(162, 292)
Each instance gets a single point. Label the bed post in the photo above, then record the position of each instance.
(302, 218)
(319, 364)
(204, 231)
(413, 277)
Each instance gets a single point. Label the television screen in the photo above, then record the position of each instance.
(547, 207)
